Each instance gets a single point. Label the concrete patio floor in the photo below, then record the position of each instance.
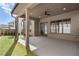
(53, 47)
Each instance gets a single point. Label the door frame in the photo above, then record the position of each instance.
(41, 29)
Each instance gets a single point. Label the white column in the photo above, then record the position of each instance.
(26, 27)
(16, 28)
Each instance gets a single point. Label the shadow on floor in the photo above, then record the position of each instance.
(9, 52)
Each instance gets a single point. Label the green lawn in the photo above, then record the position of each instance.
(5, 43)
(8, 47)
(20, 50)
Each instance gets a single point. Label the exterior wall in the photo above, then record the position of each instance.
(37, 27)
(32, 28)
(74, 15)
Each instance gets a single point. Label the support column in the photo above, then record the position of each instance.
(16, 29)
(26, 27)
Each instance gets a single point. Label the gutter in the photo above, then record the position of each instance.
(14, 9)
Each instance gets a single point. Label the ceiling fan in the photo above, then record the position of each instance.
(46, 13)
(50, 12)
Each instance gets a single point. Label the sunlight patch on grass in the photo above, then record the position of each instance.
(20, 50)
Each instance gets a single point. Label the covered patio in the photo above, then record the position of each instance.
(47, 39)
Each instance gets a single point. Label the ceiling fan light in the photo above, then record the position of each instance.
(39, 16)
(64, 9)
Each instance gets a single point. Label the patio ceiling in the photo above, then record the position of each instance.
(19, 8)
(53, 9)
(38, 9)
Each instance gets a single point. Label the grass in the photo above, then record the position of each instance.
(5, 43)
(20, 50)
(7, 47)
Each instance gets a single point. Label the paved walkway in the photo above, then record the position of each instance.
(53, 47)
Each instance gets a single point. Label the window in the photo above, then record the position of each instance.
(66, 27)
(45, 28)
(56, 27)
(52, 27)
(61, 26)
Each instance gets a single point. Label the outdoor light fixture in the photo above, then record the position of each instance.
(64, 9)
(39, 16)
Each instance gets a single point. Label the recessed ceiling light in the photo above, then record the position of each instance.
(64, 8)
(30, 13)
(39, 16)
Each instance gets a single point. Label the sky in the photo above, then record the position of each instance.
(5, 13)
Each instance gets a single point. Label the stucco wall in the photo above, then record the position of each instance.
(74, 15)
